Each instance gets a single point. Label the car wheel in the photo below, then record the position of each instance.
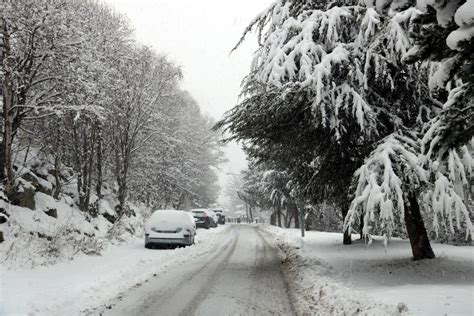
(147, 246)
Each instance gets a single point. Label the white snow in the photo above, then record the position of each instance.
(33, 238)
(168, 219)
(105, 208)
(462, 34)
(68, 288)
(465, 14)
(359, 275)
(441, 72)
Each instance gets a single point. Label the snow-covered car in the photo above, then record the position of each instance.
(220, 215)
(169, 227)
(215, 218)
(191, 216)
(203, 218)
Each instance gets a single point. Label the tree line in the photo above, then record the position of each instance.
(78, 88)
(366, 106)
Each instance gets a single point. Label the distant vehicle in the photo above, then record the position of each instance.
(169, 227)
(220, 215)
(215, 218)
(203, 218)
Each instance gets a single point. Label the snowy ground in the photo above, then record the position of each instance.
(88, 281)
(328, 277)
(242, 277)
(232, 268)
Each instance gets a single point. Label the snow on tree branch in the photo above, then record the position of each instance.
(317, 49)
(448, 195)
(394, 169)
(382, 182)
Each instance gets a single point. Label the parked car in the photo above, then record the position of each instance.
(215, 218)
(203, 218)
(169, 227)
(220, 215)
(191, 216)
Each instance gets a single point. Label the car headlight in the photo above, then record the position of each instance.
(178, 230)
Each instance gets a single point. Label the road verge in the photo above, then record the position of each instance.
(313, 290)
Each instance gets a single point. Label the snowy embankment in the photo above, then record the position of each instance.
(329, 278)
(89, 281)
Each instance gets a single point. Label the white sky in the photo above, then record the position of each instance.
(199, 35)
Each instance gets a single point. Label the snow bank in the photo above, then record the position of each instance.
(314, 289)
(37, 237)
(32, 237)
(39, 229)
(335, 278)
(89, 281)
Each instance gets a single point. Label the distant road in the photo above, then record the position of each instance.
(241, 278)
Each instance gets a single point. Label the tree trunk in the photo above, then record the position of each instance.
(278, 215)
(296, 215)
(7, 94)
(78, 161)
(273, 217)
(57, 170)
(122, 195)
(84, 171)
(347, 238)
(420, 244)
(98, 187)
(2, 161)
(302, 220)
(90, 165)
(347, 235)
(288, 218)
(25, 159)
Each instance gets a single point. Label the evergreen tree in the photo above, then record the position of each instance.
(325, 87)
(336, 87)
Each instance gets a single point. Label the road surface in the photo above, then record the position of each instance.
(241, 278)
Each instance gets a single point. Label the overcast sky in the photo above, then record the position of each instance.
(199, 35)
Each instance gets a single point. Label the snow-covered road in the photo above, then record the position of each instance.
(241, 277)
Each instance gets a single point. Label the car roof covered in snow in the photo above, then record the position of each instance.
(191, 216)
(170, 216)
